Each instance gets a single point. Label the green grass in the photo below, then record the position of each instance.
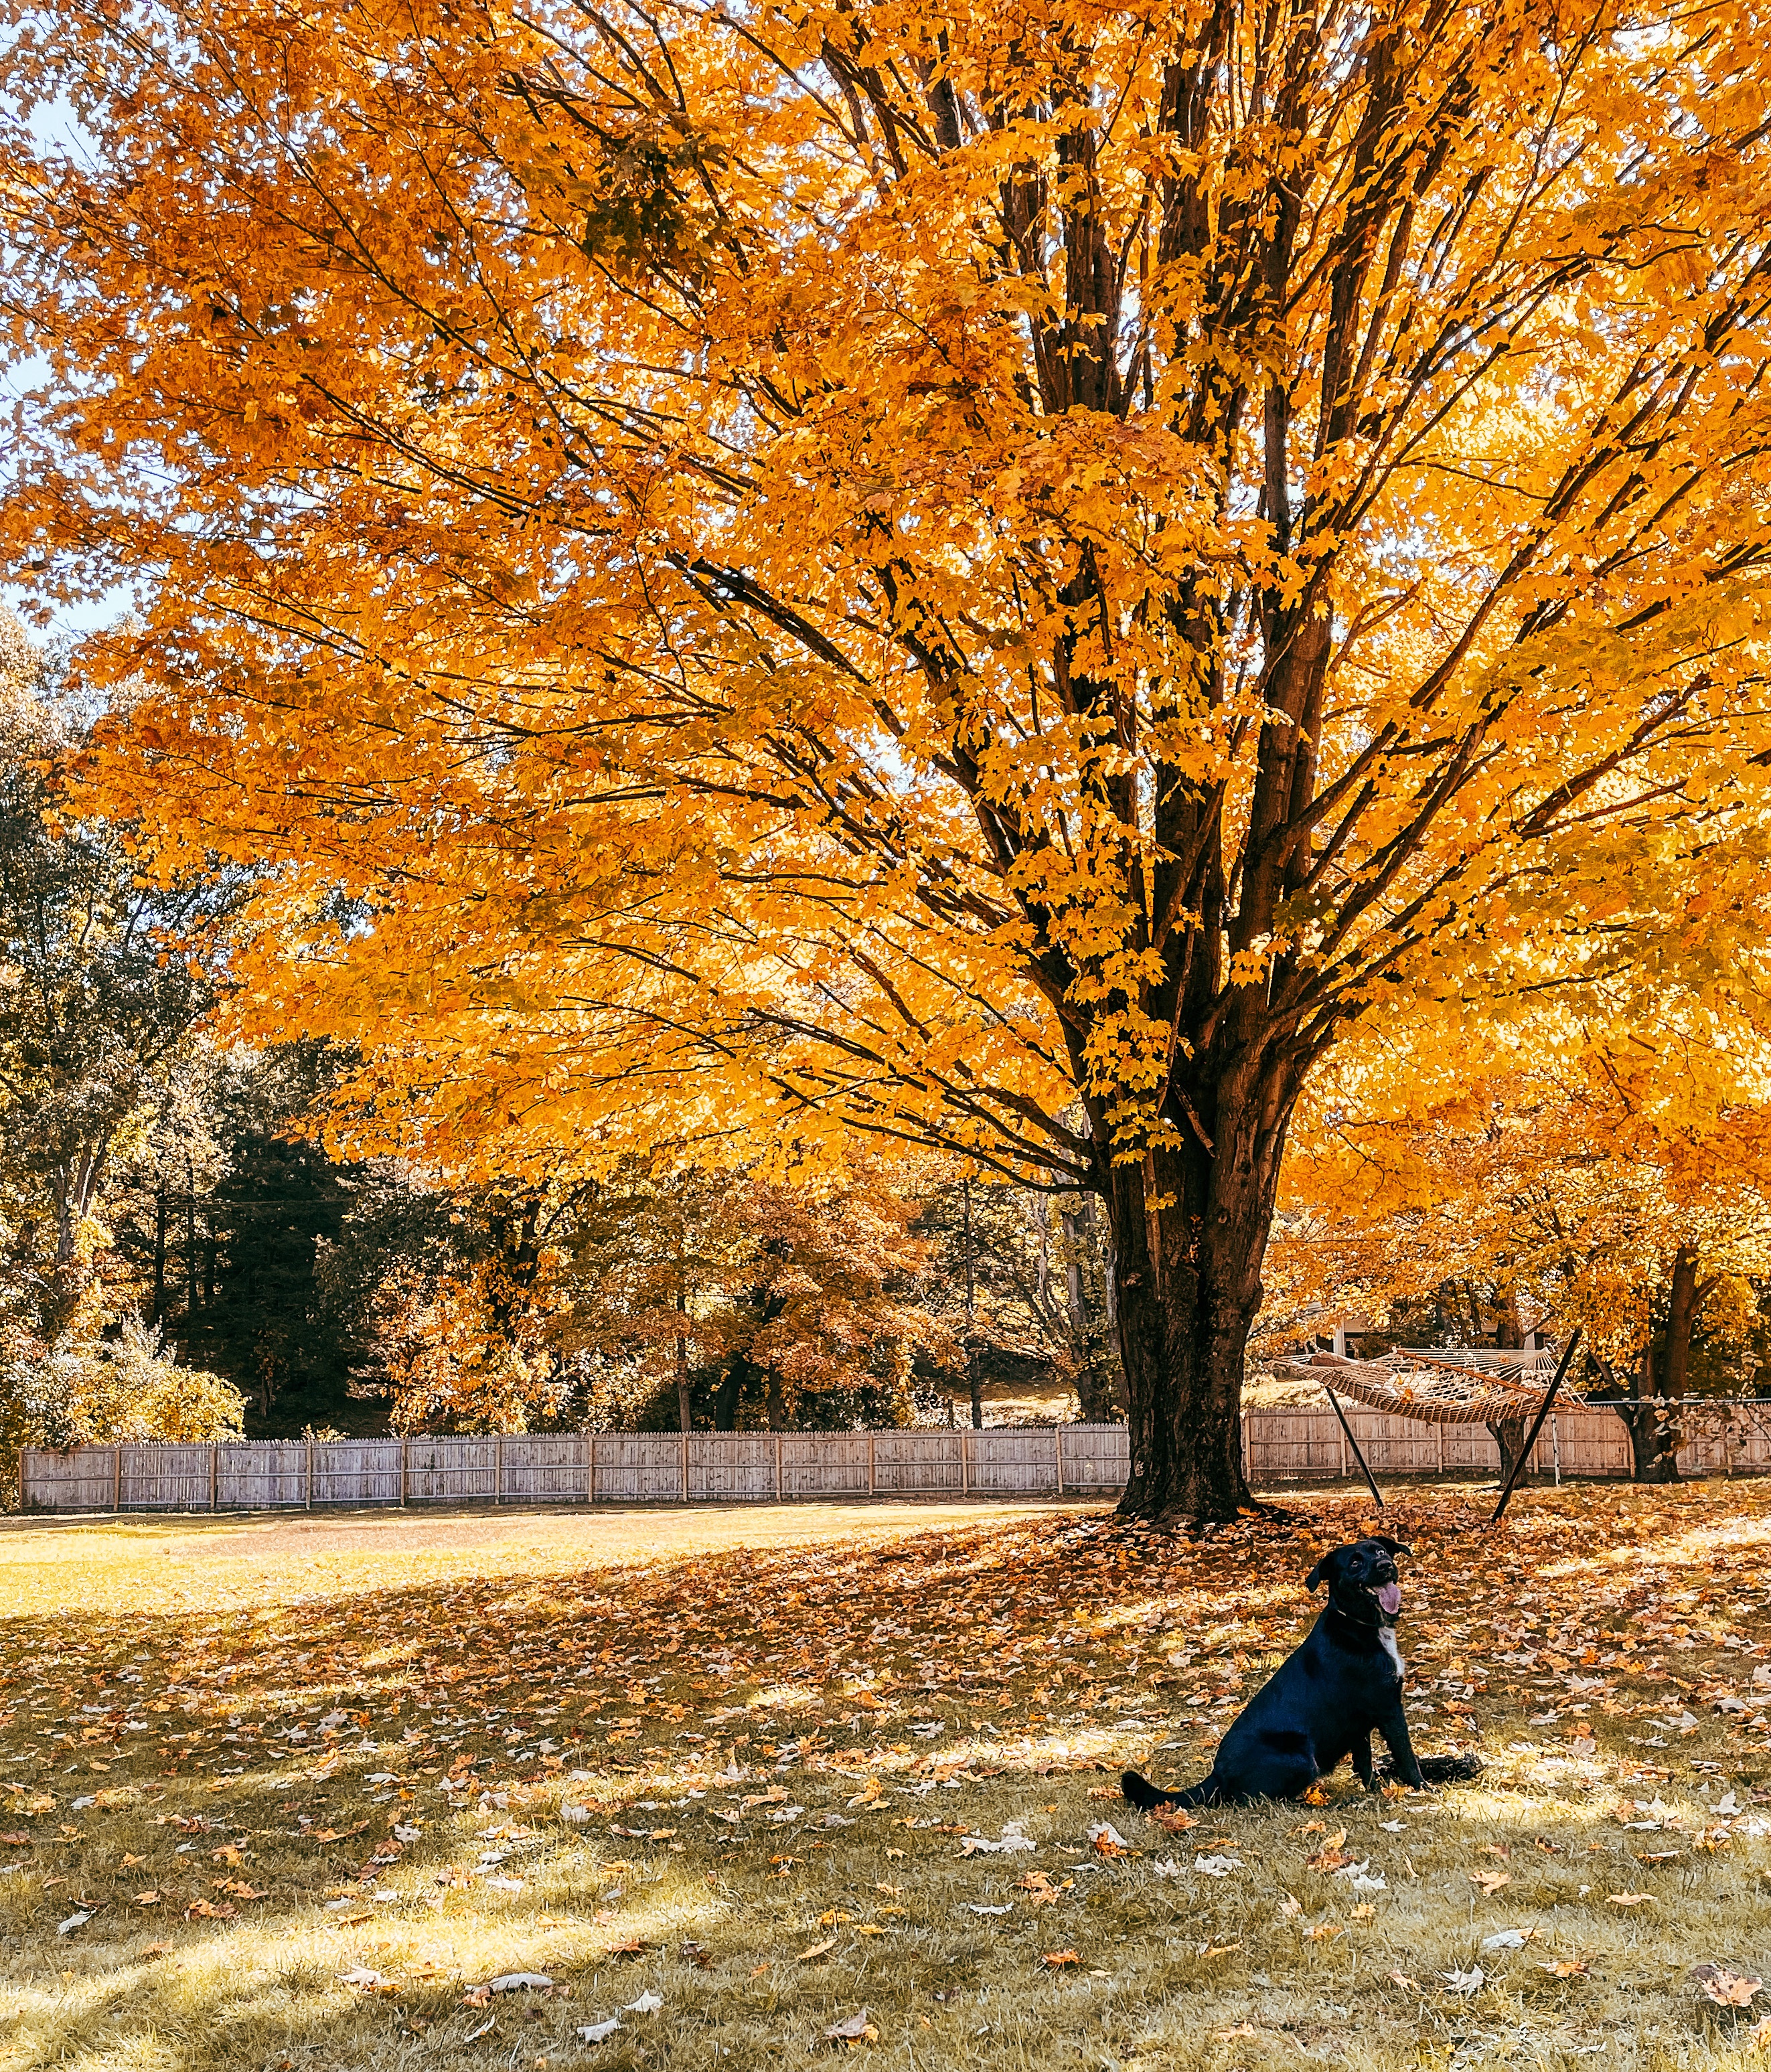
(660, 1671)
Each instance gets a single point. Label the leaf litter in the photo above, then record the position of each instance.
(1079, 1623)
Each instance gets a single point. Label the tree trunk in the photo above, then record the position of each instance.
(1654, 1438)
(1654, 1431)
(158, 1317)
(1509, 1437)
(777, 1402)
(191, 1265)
(973, 1380)
(726, 1396)
(685, 1406)
(1190, 1222)
(1681, 1314)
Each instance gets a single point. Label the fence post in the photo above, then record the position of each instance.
(406, 1471)
(215, 1451)
(1057, 1448)
(117, 1476)
(589, 1467)
(965, 1454)
(1438, 1446)
(777, 1467)
(1343, 1449)
(685, 1467)
(869, 1464)
(310, 1502)
(498, 1469)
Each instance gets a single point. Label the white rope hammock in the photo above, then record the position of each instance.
(1450, 1387)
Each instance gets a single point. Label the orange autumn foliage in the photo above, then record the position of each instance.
(989, 578)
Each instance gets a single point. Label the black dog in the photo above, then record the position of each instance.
(1323, 1702)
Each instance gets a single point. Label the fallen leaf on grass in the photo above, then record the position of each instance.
(1759, 2035)
(1463, 1984)
(201, 1910)
(817, 1949)
(598, 2032)
(1401, 1978)
(1488, 1883)
(1629, 1899)
(1106, 1839)
(1566, 1967)
(74, 1921)
(1325, 1931)
(1725, 1987)
(1013, 1838)
(147, 1899)
(648, 2003)
(19, 1841)
(855, 2028)
(1508, 1938)
(520, 1982)
(1330, 1857)
(1217, 1866)
(362, 1979)
(1055, 1960)
(1243, 2030)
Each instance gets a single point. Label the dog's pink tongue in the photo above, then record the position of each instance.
(1390, 1597)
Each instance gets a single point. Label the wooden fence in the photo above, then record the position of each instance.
(767, 1467)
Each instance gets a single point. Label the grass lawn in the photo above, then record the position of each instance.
(293, 1792)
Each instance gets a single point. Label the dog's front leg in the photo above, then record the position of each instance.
(1404, 1764)
(1362, 1761)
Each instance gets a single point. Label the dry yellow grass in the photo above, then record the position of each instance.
(781, 1734)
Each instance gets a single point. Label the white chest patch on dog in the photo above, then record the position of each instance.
(1387, 1640)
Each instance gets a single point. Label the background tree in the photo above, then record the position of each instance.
(873, 569)
(1607, 1176)
(103, 978)
(1041, 1316)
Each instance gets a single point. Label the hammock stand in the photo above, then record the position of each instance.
(1449, 1387)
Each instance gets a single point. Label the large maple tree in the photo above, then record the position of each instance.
(986, 576)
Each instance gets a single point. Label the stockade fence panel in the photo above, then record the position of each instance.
(1292, 1443)
(825, 1464)
(355, 1471)
(261, 1475)
(639, 1467)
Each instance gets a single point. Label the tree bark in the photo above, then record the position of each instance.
(726, 1396)
(1682, 1307)
(158, 1317)
(685, 1405)
(1654, 1431)
(1509, 1437)
(1190, 1222)
(973, 1380)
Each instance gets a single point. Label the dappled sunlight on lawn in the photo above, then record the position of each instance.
(295, 1793)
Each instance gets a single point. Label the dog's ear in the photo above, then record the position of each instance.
(1395, 1546)
(1326, 1569)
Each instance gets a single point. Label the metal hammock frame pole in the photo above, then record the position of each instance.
(1371, 1480)
(1536, 1425)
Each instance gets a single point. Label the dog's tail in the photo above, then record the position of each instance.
(1441, 1769)
(1148, 1799)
